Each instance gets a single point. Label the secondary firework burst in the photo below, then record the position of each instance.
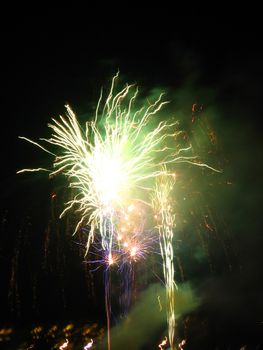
(112, 163)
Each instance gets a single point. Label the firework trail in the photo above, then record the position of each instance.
(165, 223)
(112, 164)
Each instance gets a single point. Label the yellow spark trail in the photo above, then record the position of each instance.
(165, 223)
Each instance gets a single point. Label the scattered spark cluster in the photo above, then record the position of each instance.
(121, 167)
(124, 251)
(54, 337)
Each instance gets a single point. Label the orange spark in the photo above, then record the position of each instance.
(63, 346)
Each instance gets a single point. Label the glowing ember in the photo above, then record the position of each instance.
(89, 345)
(64, 345)
(163, 343)
(183, 342)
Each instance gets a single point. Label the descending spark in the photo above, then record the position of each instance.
(107, 296)
(64, 345)
(160, 304)
(89, 345)
(165, 217)
(163, 343)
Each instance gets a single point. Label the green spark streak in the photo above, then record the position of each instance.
(165, 218)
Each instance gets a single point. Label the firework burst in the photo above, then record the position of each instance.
(121, 169)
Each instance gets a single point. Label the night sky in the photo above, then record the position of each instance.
(216, 65)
